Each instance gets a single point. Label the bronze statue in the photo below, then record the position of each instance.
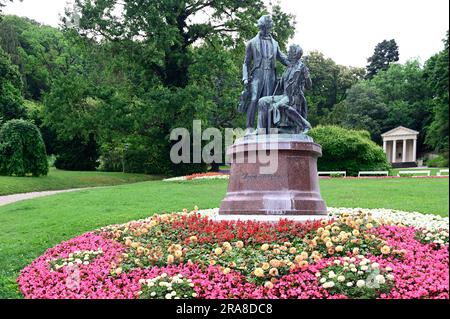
(259, 69)
(287, 112)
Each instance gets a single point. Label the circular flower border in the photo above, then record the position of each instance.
(357, 253)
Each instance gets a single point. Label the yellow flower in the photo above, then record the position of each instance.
(335, 229)
(135, 245)
(355, 251)
(170, 259)
(268, 285)
(273, 272)
(323, 222)
(304, 254)
(303, 264)
(320, 230)
(339, 248)
(265, 266)
(355, 232)
(292, 250)
(218, 251)
(329, 244)
(259, 272)
(227, 246)
(118, 271)
(298, 258)
(275, 263)
(178, 253)
(226, 270)
(232, 264)
(193, 239)
(212, 262)
(385, 249)
(239, 244)
(264, 247)
(140, 250)
(369, 225)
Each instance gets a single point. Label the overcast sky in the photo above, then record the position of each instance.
(344, 30)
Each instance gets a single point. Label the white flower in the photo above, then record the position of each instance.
(375, 265)
(322, 280)
(360, 283)
(331, 275)
(349, 284)
(328, 284)
(168, 296)
(341, 278)
(317, 274)
(153, 294)
(364, 268)
(380, 279)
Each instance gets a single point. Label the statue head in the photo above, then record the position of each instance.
(295, 53)
(265, 24)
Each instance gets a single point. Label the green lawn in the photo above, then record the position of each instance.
(434, 171)
(58, 179)
(28, 228)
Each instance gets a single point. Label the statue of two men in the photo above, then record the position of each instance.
(259, 77)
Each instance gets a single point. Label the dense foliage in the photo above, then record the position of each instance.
(126, 78)
(348, 150)
(11, 102)
(22, 150)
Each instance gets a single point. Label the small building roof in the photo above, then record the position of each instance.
(400, 131)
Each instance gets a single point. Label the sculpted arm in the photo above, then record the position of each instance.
(247, 63)
(282, 57)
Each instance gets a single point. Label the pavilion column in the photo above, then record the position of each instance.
(394, 150)
(404, 152)
(384, 146)
(414, 149)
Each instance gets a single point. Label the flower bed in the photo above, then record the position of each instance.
(356, 254)
(199, 176)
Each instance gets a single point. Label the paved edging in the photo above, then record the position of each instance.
(9, 199)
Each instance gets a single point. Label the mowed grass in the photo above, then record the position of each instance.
(28, 228)
(58, 180)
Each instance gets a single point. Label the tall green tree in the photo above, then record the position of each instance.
(363, 109)
(330, 84)
(166, 26)
(385, 53)
(437, 77)
(11, 101)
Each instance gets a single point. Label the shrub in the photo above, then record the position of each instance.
(349, 150)
(438, 161)
(22, 150)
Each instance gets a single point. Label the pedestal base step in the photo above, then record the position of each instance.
(270, 218)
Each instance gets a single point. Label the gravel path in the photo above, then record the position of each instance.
(9, 199)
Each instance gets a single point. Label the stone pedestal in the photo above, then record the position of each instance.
(257, 188)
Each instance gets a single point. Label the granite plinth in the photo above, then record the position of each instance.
(274, 175)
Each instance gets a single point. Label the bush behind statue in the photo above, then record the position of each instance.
(22, 150)
(349, 150)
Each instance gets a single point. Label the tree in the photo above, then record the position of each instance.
(436, 75)
(363, 109)
(385, 53)
(22, 150)
(11, 102)
(330, 84)
(165, 25)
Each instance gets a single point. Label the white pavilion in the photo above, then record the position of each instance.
(400, 146)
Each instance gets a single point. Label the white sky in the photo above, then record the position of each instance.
(344, 30)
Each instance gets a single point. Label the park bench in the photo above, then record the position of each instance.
(385, 173)
(344, 173)
(415, 172)
(442, 171)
